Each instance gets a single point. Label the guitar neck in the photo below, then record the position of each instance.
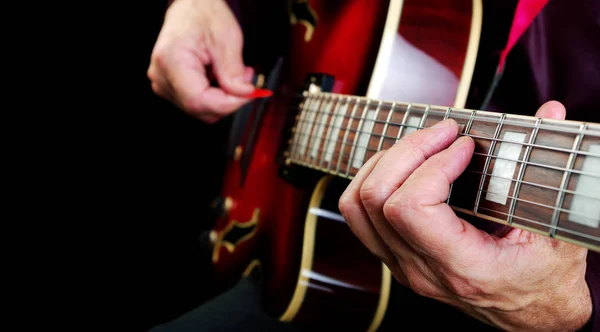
(541, 175)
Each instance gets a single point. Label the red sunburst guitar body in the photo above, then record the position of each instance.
(282, 224)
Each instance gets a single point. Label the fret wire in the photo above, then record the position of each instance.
(446, 116)
(360, 122)
(540, 223)
(545, 147)
(555, 127)
(533, 184)
(403, 122)
(337, 116)
(519, 181)
(513, 203)
(565, 180)
(529, 163)
(487, 162)
(470, 123)
(329, 130)
(565, 230)
(337, 170)
(557, 189)
(301, 124)
(422, 123)
(576, 171)
(385, 127)
(540, 205)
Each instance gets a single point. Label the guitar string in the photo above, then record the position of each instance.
(337, 151)
(567, 191)
(558, 190)
(483, 116)
(550, 227)
(514, 216)
(335, 115)
(552, 207)
(400, 125)
(371, 134)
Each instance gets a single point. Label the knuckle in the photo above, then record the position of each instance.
(346, 203)
(417, 155)
(399, 206)
(150, 73)
(419, 284)
(372, 193)
(419, 149)
(158, 58)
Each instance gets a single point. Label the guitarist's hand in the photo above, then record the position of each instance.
(199, 38)
(521, 281)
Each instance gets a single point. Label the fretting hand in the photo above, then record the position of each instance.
(396, 205)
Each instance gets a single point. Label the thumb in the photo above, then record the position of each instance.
(229, 69)
(552, 110)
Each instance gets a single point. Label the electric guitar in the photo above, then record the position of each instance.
(369, 73)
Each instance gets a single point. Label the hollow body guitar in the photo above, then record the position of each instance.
(364, 86)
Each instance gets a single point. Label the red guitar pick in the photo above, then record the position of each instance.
(260, 93)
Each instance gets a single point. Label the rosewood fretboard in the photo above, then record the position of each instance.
(542, 175)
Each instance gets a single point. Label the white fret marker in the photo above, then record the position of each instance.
(321, 123)
(363, 139)
(333, 138)
(587, 208)
(504, 169)
(412, 125)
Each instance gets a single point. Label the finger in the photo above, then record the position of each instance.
(228, 64)
(248, 74)
(549, 110)
(420, 215)
(159, 84)
(402, 159)
(194, 95)
(394, 168)
(356, 217)
(552, 110)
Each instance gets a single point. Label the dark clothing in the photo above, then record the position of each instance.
(558, 58)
